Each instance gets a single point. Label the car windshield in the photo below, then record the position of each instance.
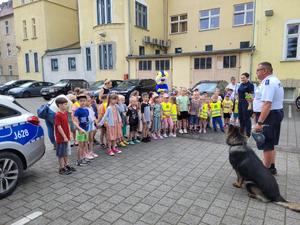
(61, 83)
(97, 85)
(206, 87)
(26, 85)
(127, 84)
(10, 82)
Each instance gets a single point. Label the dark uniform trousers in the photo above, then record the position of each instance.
(245, 117)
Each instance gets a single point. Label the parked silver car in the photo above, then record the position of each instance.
(21, 143)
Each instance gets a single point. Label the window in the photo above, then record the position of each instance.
(178, 50)
(145, 65)
(293, 41)
(141, 15)
(208, 48)
(244, 44)
(6, 112)
(106, 56)
(27, 65)
(243, 14)
(229, 61)
(33, 28)
(10, 71)
(24, 30)
(36, 62)
(209, 19)
(104, 11)
(179, 24)
(8, 49)
(162, 64)
(88, 59)
(157, 52)
(202, 63)
(6, 28)
(72, 63)
(142, 50)
(54, 64)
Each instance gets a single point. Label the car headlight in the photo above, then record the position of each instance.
(52, 90)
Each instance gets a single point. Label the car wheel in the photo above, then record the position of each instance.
(298, 102)
(26, 94)
(11, 169)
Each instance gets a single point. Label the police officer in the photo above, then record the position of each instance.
(271, 114)
(244, 113)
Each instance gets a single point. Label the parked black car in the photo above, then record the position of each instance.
(29, 89)
(98, 85)
(4, 88)
(210, 86)
(63, 87)
(128, 86)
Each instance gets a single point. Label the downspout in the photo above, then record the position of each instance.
(43, 69)
(253, 38)
(129, 36)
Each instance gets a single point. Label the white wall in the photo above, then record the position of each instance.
(63, 68)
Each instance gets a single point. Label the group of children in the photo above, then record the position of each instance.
(149, 116)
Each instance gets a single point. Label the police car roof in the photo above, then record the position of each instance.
(7, 98)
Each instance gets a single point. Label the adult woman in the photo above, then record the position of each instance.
(245, 88)
(257, 103)
(106, 88)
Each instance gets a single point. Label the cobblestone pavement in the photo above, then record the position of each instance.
(175, 181)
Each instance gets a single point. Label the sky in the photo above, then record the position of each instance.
(3, 1)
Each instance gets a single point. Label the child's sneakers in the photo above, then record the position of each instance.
(70, 168)
(200, 131)
(180, 131)
(160, 137)
(122, 144)
(64, 171)
(136, 141)
(204, 131)
(95, 155)
(165, 135)
(154, 137)
(110, 152)
(116, 150)
(125, 142)
(89, 156)
(131, 143)
(185, 131)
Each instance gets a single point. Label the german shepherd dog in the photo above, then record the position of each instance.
(260, 183)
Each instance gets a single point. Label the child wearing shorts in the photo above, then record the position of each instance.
(227, 106)
(62, 136)
(174, 114)
(81, 121)
(167, 120)
(183, 103)
(133, 120)
(194, 111)
(156, 121)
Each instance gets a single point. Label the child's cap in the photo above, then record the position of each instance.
(166, 95)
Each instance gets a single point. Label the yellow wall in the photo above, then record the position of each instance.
(225, 37)
(181, 71)
(56, 26)
(269, 37)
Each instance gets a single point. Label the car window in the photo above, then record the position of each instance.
(6, 112)
(207, 87)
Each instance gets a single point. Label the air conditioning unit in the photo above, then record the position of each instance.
(155, 41)
(147, 40)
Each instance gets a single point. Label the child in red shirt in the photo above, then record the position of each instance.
(62, 137)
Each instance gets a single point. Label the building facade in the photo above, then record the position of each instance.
(43, 25)
(277, 40)
(8, 50)
(141, 37)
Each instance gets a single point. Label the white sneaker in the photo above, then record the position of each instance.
(200, 131)
(185, 131)
(165, 135)
(174, 135)
(180, 131)
(204, 131)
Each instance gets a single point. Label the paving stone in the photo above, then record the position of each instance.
(150, 217)
(132, 216)
(190, 219)
(111, 216)
(93, 214)
(171, 218)
(178, 209)
(211, 219)
(72, 215)
(86, 206)
(141, 208)
(229, 220)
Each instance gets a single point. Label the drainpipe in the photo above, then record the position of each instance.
(129, 36)
(253, 38)
(43, 69)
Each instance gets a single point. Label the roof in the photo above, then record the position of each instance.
(224, 51)
(6, 9)
(72, 46)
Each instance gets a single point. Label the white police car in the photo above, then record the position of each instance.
(21, 143)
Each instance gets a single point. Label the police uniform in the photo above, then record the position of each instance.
(272, 91)
(257, 103)
(244, 113)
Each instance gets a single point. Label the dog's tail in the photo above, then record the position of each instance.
(289, 205)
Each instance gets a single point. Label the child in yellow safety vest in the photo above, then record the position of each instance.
(204, 114)
(236, 110)
(174, 114)
(227, 106)
(101, 112)
(167, 120)
(216, 112)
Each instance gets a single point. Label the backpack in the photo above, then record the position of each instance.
(43, 111)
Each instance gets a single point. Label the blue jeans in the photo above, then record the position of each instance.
(217, 120)
(50, 128)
